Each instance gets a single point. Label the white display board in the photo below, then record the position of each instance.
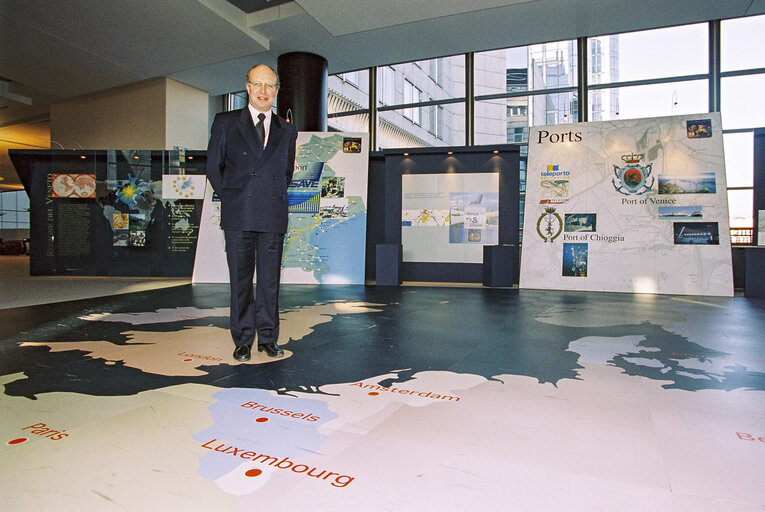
(326, 238)
(448, 218)
(637, 205)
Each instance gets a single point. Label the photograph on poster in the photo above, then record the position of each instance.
(699, 128)
(120, 221)
(574, 222)
(332, 186)
(678, 212)
(554, 184)
(575, 259)
(696, 233)
(474, 218)
(137, 226)
(701, 183)
(120, 238)
(352, 145)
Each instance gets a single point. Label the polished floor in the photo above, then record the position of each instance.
(411, 398)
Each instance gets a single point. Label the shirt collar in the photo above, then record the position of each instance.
(254, 115)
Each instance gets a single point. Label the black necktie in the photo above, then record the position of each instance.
(260, 129)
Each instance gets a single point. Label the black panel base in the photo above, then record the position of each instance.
(388, 265)
(755, 272)
(500, 265)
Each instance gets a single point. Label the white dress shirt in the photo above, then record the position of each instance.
(266, 122)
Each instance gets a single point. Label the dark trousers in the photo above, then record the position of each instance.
(247, 251)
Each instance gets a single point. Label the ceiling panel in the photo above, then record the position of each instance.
(342, 17)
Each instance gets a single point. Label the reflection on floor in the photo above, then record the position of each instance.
(405, 399)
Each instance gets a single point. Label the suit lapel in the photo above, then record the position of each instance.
(274, 135)
(247, 129)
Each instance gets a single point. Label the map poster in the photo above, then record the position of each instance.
(636, 205)
(448, 218)
(326, 237)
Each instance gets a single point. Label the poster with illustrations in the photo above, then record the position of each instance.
(325, 241)
(636, 206)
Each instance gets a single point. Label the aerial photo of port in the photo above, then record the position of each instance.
(701, 183)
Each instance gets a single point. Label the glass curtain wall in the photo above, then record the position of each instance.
(14, 210)
(629, 75)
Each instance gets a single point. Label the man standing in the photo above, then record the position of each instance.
(250, 161)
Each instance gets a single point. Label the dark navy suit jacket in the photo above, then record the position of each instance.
(250, 181)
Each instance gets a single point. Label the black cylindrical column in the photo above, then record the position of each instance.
(303, 90)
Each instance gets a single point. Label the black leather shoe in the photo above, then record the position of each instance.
(242, 353)
(272, 349)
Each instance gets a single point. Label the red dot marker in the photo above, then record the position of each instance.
(187, 360)
(17, 441)
(261, 420)
(253, 472)
(373, 393)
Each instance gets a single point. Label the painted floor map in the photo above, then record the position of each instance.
(386, 399)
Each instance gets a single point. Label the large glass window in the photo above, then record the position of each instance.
(650, 54)
(441, 78)
(386, 86)
(351, 123)
(551, 65)
(14, 210)
(412, 94)
(395, 130)
(503, 110)
(741, 43)
(740, 207)
(653, 100)
(739, 159)
(348, 92)
(741, 104)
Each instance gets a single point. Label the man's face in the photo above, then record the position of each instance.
(261, 88)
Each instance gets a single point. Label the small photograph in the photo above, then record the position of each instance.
(137, 238)
(575, 260)
(351, 145)
(138, 223)
(120, 221)
(580, 222)
(474, 236)
(680, 212)
(120, 238)
(332, 186)
(699, 128)
(696, 233)
(554, 189)
(701, 183)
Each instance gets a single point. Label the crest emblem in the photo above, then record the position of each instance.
(553, 225)
(633, 178)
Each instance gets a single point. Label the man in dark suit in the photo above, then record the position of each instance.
(250, 161)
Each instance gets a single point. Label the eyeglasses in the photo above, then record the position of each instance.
(267, 86)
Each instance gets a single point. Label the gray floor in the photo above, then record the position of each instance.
(18, 288)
